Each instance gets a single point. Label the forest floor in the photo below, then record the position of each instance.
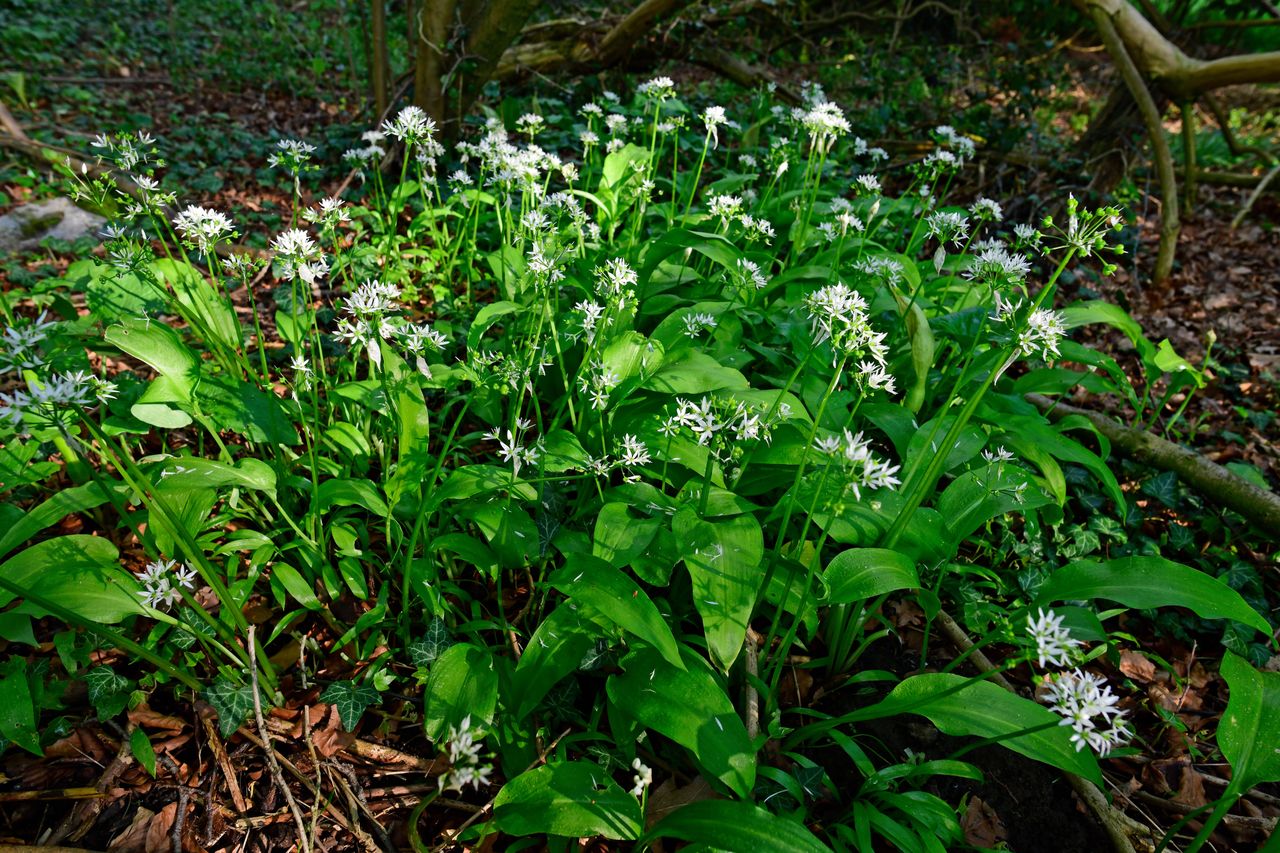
(1225, 284)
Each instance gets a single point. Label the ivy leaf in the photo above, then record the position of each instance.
(108, 691)
(431, 645)
(234, 704)
(351, 700)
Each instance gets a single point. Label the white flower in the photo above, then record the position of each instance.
(591, 108)
(862, 468)
(1043, 332)
(948, 226)
(411, 126)
(985, 208)
(696, 324)
(643, 778)
(530, 124)
(1053, 642)
(163, 582)
(839, 314)
(202, 228)
(996, 266)
(466, 768)
(1086, 704)
(713, 117)
(724, 206)
(998, 456)
(660, 88)
(291, 154)
(20, 344)
(299, 256)
(824, 121)
(634, 452)
(329, 214)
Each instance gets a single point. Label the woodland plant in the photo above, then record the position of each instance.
(598, 424)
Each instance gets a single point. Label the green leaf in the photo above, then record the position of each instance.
(730, 825)
(695, 372)
(193, 472)
(351, 700)
(486, 317)
(573, 799)
(292, 581)
(620, 537)
(554, 651)
(140, 746)
(963, 706)
(463, 683)
(922, 350)
(246, 411)
(724, 561)
(108, 691)
(159, 347)
(977, 496)
(82, 573)
(862, 573)
(18, 711)
(1250, 728)
(433, 642)
(690, 707)
(1146, 583)
(619, 599)
(64, 503)
(233, 704)
(360, 493)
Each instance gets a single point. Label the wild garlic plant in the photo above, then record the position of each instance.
(601, 386)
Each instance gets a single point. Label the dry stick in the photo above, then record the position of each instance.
(184, 797)
(77, 824)
(1253, 196)
(224, 763)
(1262, 824)
(1169, 222)
(1120, 828)
(1260, 506)
(276, 773)
(751, 703)
(330, 808)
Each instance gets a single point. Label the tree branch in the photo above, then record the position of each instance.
(1260, 506)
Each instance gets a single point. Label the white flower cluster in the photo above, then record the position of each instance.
(697, 323)
(20, 345)
(163, 582)
(371, 318)
(616, 281)
(633, 454)
(862, 468)
(412, 126)
(1083, 700)
(643, 777)
(659, 88)
(465, 766)
(203, 229)
(720, 424)
(128, 150)
(995, 266)
(329, 214)
(45, 397)
(948, 226)
(512, 450)
(299, 256)
(839, 314)
(292, 155)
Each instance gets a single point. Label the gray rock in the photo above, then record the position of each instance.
(22, 228)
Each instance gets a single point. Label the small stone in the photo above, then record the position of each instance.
(24, 228)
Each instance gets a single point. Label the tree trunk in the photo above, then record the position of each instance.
(378, 55)
(431, 31)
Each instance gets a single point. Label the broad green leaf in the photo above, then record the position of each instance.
(351, 700)
(245, 410)
(695, 372)
(555, 650)
(963, 706)
(479, 479)
(620, 537)
(433, 642)
(415, 458)
(731, 825)
(362, 493)
(1146, 583)
(619, 599)
(159, 347)
(292, 582)
(573, 799)
(463, 683)
(193, 290)
(724, 561)
(1249, 731)
(1052, 440)
(64, 503)
(82, 573)
(486, 317)
(922, 350)
(977, 496)
(862, 573)
(233, 703)
(690, 707)
(194, 472)
(714, 246)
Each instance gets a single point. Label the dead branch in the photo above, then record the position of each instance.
(1260, 506)
(1170, 224)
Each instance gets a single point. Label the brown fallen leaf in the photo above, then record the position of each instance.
(147, 718)
(1191, 788)
(668, 797)
(982, 826)
(157, 840)
(1137, 666)
(134, 837)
